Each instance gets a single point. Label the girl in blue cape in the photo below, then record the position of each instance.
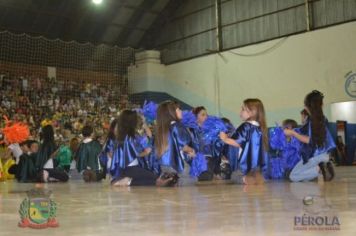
(108, 148)
(125, 166)
(251, 140)
(145, 138)
(202, 145)
(316, 142)
(172, 139)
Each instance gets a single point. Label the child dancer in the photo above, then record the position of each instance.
(172, 139)
(108, 149)
(200, 144)
(316, 142)
(47, 147)
(87, 156)
(25, 170)
(145, 138)
(125, 168)
(63, 156)
(45, 167)
(251, 139)
(286, 150)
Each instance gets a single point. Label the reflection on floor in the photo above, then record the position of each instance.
(213, 208)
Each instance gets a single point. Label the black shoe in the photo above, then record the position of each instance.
(206, 176)
(89, 176)
(100, 175)
(174, 179)
(287, 174)
(323, 170)
(330, 168)
(225, 170)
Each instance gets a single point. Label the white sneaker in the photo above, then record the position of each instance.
(123, 182)
(45, 176)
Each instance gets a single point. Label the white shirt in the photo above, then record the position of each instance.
(16, 151)
(253, 122)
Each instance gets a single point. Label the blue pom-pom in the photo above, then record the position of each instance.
(277, 168)
(199, 165)
(212, 128)
(277, 138)
(291, 153)
(189, 120)
(143, 141)
(289, 149)
(149, 111)
(230, 128)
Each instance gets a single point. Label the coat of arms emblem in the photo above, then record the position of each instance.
(37, 210)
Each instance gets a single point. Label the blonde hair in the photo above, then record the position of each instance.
(166, 113)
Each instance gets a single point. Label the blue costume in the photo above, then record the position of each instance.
(309, 150)
(126, 154)
(199, 163)
(200, 144)
(109, 147)
(173, 158)
(286, 153)
(148, 162)
(251, 154)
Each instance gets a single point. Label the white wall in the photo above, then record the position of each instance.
(344, 111)
(280, 78)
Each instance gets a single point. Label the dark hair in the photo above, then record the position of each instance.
(290, 123)
(126, 125)
(74, 144)
(314, 102)
(111, 134)
(87, 131)
(24, 143)
(166, 113)
(197, 110)
(226, 120)
(31, 142)
(48, 134)
(304, 112)
(68, 126)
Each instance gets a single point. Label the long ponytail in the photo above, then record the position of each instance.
(314, 102)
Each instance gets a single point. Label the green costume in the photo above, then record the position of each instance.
(44, 153)
(25, 170)
(87, 156)
(64, 157)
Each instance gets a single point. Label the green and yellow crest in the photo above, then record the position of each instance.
(38, 210)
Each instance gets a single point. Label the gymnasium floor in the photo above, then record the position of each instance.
(205, 209)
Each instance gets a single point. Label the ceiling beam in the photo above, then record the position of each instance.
(134, 20)
(147, 40)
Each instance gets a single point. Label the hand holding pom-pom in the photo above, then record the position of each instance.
(288, 132)
(223, 136)
(212, 127)
(147, 151)
(192, 154)
(189, 120)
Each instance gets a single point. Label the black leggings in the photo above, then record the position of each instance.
(58, 175)
(139, 176)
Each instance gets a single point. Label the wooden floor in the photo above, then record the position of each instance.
(204, 209)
